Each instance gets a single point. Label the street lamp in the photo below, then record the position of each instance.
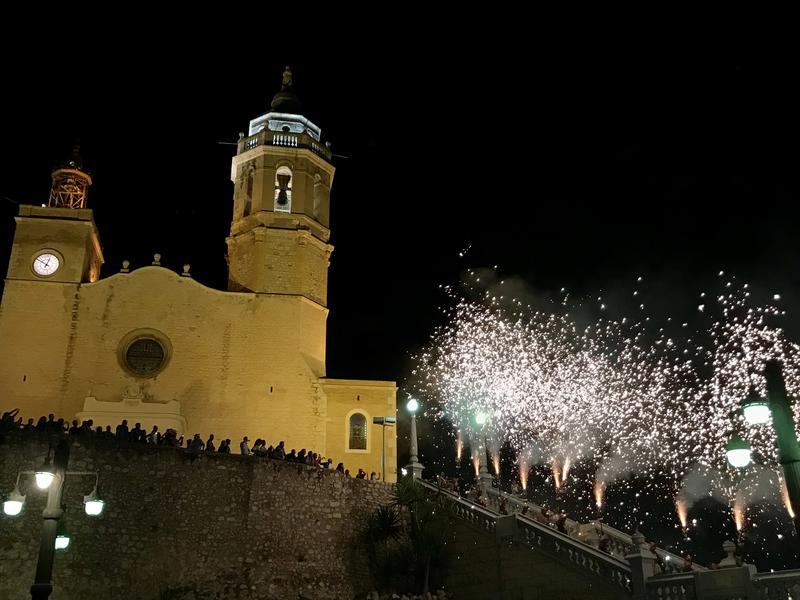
(384, 421)
(13, 506)
(755, 408)
(780, 409)
(92, 504)
(738, 452)
(414, 465)
(62, 537)
(54, 535)
(44, 474)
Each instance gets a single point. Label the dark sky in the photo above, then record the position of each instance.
(569, 165)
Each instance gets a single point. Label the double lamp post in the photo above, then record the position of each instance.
(52, 477)
(758, 411)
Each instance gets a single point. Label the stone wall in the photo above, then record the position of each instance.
(221, 527)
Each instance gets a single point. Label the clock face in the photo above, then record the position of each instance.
(46, 264)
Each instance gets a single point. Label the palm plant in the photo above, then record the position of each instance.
(430, 518)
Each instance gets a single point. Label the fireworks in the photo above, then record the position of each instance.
(739, 507)
(682, 509)
(613, 399)
(599, 490)
(523, 472)
(786, 502)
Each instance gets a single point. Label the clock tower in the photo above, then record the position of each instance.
(58, 242)
(282, 175)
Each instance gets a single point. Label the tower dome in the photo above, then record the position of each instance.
(286, 101)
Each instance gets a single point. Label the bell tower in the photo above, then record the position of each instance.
(58, 242)
(282, 175)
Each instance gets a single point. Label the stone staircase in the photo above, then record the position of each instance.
(629, 566)
(621, 544)
(541, 538)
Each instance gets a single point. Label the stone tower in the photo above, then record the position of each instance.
(58, 242)
(282, 178)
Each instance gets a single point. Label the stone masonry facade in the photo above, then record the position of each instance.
(219, 527)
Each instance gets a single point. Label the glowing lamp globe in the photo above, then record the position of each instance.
(62, 541)
(755, 409)
(412, 405)
(481, 418)
(738, 452)
(44, 479)
(13, 506)
(92, 504)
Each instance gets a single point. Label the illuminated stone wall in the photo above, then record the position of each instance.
(240, 364)
(221, 527)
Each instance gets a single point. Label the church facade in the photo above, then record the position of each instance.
(154, 346)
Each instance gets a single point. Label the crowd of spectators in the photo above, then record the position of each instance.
(194, 446)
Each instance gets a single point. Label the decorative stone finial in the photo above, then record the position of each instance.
(125, 266)
(186, 268)
(637, 538)
(729, 548)
(157, 259)
(286, 83)
(286, 101)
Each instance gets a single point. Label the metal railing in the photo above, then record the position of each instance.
(589, 533)
(266, 137)
(542, 538)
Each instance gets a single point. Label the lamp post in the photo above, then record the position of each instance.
(54, 536)
(414, 465)
(384, 422)
(53, 512)
(780, 409)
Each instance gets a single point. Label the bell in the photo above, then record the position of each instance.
(283, 184)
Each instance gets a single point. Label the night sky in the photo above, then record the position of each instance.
(580, 170)
(566, 166)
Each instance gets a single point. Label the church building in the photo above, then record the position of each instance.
(156, 347)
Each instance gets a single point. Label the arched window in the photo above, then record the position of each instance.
(358, 432)
(248, 193)
(317, 195)
(283, 190)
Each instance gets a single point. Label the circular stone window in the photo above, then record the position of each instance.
(144, 353)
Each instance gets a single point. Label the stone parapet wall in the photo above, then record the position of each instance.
(220, 526)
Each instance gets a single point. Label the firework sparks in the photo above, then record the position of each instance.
(682, 508)
(739, 507)
(786, 501)
(556, 475)
(496, 462)
(599, 491)
(614, 398)
(459, 447)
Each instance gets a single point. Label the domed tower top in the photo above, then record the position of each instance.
(286, 101)
(285, 117)
(70, 182)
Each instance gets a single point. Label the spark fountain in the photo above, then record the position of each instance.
(631, 395)
(599, 491)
